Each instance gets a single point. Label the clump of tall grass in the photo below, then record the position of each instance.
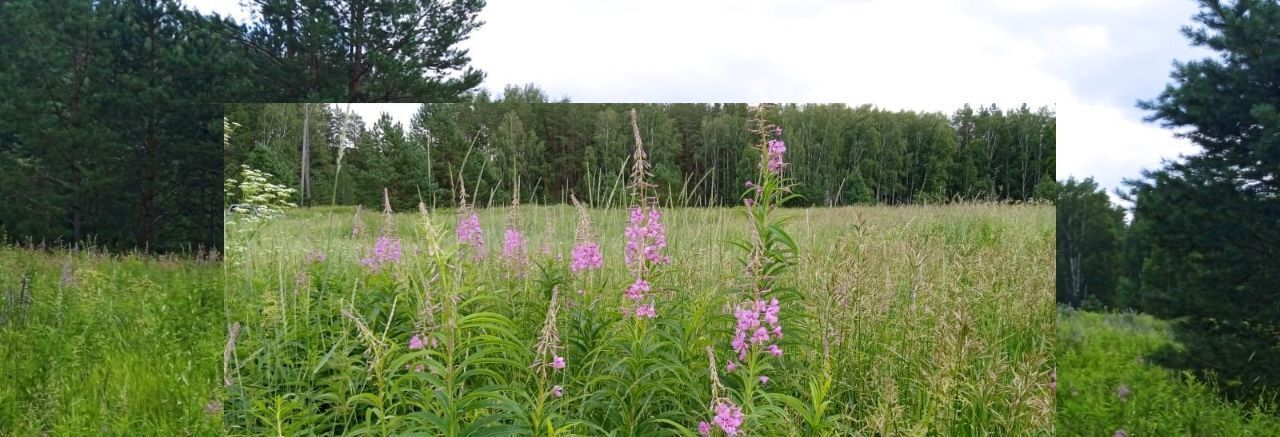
(96, 343)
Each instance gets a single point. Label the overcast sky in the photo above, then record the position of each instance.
(1090, 60)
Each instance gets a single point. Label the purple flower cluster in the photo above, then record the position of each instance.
(586, 256)
(646, 311)
(513, 245)
(637, 292)
(557, 363)
(387, 250)
(775, 150)
(470, 234)
(751, 331)
(1123, 392)
(646, 237)
(728, 417)
(315, 256)
(416, 343)
(638, 289)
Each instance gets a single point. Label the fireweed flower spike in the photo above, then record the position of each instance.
(728, 417)
(646, 312)
(513, 241)
(545, 352)
(357, 226)
(759, 317)
(646, 237)
(386, 251)
(775, 149)
(513, 246)
(586, 252)
(469, 231)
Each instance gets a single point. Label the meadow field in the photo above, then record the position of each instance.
(890, 320)
(1110, 384)
(106, 344)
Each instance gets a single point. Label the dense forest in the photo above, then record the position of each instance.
(701, 153)
(111, 115)
(1204, 236)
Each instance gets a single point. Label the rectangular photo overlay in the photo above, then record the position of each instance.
(513, 265)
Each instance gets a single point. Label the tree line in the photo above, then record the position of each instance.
(701, 153)
(111, 116)
(1203, 239)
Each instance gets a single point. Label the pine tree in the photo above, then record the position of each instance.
(363, 50)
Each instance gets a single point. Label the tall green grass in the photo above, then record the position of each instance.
(108, 344)
(908, 320)
(1098, 353)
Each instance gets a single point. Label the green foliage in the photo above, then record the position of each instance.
(1089, 233)
(700, 153)
(383, 51)
(1100, 352)
(1202, 225)
(109, 344)
(109, 126)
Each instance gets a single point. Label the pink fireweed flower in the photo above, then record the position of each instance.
(557, 363)
(646, 237)
(557, 391)
(513, 245)
(730, 366)
(704, 428)
(751, 330)
(764, 379)
(728, 417)
(586, 256)
(638, 289)
(387, 250)
(416, 343)
(774, 154)
(771, 312)
(470, 234)
(646, 311)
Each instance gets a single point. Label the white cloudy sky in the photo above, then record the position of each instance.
(1091, 60)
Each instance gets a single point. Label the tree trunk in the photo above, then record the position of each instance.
(304, 182)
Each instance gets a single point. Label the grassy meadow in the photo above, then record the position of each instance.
(1108, 382)
(898, 320)
(98, 344)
